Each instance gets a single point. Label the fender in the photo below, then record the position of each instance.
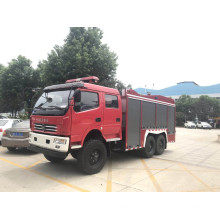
(154, 131)
(89, 129)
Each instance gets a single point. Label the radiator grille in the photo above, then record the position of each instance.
(45, 127)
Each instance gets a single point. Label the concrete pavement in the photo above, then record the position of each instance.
(190, 164)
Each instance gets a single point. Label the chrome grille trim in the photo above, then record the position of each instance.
(45, 127)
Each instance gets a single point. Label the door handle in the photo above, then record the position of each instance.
(98, 119)
(118, 119)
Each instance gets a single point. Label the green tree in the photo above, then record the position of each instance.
(16, 85)
(206, 107)
(184, 104)
(180, 118)
(120, 86)
(82, 54)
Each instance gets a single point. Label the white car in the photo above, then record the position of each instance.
(190, 124)
(7, 123)
(204, 125)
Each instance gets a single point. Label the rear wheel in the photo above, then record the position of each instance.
(92, 156)
(54, 159)
(11, 148)
(160, 145)
(150, 147)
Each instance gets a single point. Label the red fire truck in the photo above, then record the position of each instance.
(89, 121)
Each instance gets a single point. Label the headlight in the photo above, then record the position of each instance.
(59, 141)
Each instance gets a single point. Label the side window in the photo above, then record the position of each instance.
(111, 101)
(89, 100)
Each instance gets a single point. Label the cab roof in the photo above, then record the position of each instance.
(89, 86)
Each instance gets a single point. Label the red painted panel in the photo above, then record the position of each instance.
(111, 127)
(171, 137)
(63, 123)
(86, 120)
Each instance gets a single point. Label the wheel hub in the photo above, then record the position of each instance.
(94, 157)
(150, 146)
(161, 144)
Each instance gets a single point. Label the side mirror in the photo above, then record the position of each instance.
(77, 96)
(77, 100)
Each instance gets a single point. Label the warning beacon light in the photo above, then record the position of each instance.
(89, 79)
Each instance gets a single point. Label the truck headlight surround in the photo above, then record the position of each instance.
(59, 141)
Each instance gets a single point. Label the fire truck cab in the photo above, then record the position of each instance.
(88, 121)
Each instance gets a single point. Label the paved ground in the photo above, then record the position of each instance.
(190, 164)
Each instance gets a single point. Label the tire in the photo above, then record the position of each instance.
(150, 147)
(75, 154)
(11, 148)
(92, 156)
(160, 145)
(54, 159)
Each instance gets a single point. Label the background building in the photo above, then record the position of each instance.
(184, 88)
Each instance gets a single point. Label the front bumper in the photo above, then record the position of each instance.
(20, 143)
(43, 141)
(52, 153)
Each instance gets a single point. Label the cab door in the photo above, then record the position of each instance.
(112, 117)
(88, 116)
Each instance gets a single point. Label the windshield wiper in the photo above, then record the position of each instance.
(40, 106)
(55, 106)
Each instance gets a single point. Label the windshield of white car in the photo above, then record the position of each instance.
(3, 122)
(23, 124)
(54, 99)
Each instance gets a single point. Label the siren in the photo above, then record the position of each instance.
(89, 79)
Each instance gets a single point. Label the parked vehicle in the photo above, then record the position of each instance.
(17, 136)
(214, 122)
(204, 125)
(3, 117)
(190, 124)
(7, 123)
(89, 121)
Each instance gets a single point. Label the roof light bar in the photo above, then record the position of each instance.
(89, 79)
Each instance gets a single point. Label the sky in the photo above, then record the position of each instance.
(158, 43)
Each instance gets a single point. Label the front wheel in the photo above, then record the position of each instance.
(92, 156)
(54, 159)
(150, 147)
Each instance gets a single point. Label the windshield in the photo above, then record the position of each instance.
(54, 99)
(23, 124)
(3, 122)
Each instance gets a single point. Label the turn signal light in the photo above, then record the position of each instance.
(1, 130)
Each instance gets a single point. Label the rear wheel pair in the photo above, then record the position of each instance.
(154, 146)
